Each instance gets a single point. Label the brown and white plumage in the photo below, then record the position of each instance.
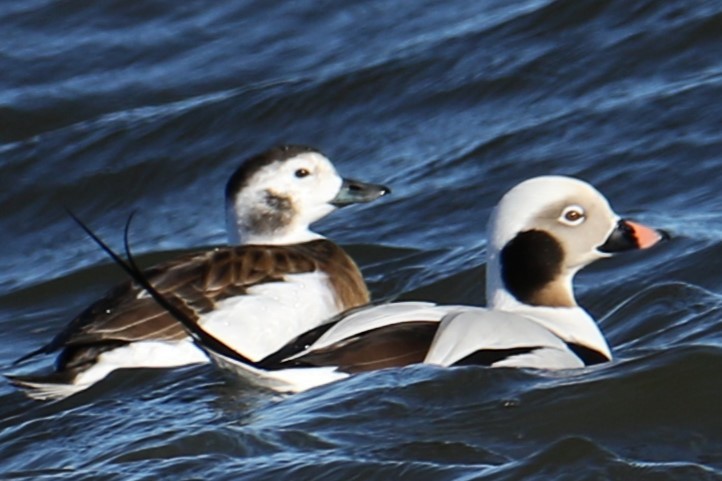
(541, 234)
(282, 281)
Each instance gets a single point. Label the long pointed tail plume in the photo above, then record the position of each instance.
(203, 339)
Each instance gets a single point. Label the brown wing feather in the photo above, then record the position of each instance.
(396, 345)
(199, 281)
(346, 278)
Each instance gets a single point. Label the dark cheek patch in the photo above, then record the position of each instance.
(277, 213)
(530, 262)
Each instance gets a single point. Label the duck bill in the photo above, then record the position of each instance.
(628, 235)
(356, 192)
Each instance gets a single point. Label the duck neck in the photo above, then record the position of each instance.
(532, 268)
(260, 228)
(560, 313)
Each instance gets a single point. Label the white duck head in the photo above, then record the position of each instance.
(275, 196)
(543, 231)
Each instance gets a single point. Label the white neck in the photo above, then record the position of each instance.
(286, 238)
(239, 233)
(497, 297)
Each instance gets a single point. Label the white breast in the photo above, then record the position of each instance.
(271, 314)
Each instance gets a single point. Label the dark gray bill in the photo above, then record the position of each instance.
(355, 192)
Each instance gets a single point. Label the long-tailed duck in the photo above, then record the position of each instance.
(279, 280)
(541, 234)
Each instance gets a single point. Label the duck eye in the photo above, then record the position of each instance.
(301, 173)
(572, 215)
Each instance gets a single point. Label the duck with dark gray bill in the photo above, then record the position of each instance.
(276, 281)
(541, 234)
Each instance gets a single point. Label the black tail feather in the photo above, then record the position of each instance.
(203, 339)
(61, 378)
(41, 350)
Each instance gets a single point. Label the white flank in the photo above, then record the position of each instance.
(272, 314)
(284, 380)
(478, 329)
(150, 354)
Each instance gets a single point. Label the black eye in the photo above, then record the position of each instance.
(301, 173)
(573, 215)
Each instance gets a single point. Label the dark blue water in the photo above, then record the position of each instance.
(111, 106)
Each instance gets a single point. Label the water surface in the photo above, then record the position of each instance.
(118, 106)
